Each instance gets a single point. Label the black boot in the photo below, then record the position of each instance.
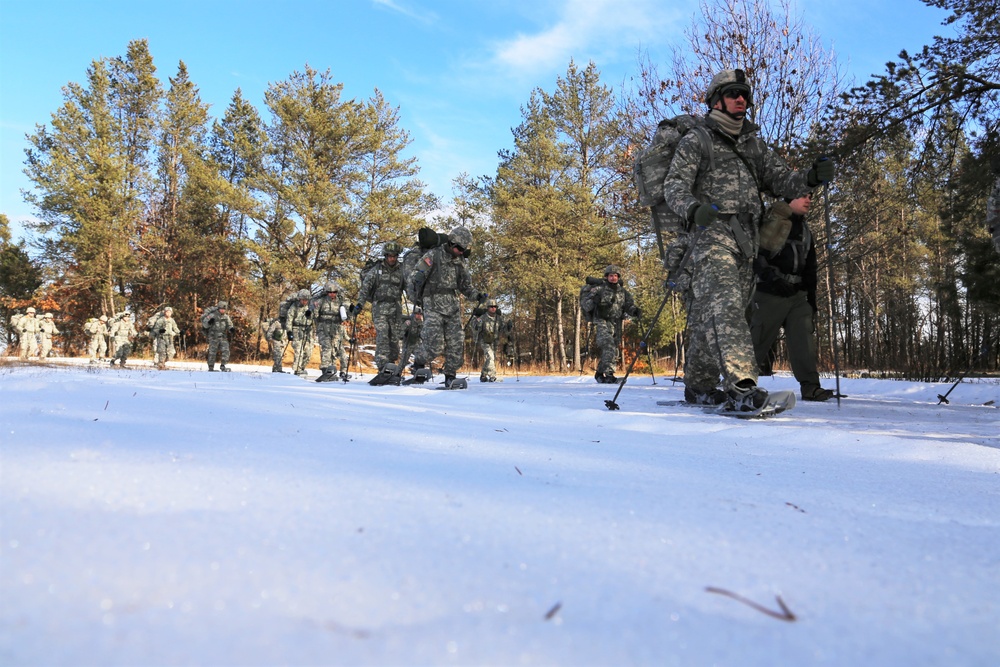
(224, 369)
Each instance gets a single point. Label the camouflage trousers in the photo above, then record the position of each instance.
(719, 342)
(277, 352)
(98, 347)
(607, 342)
(302, 346)
(27, 345)
(442, 334)
(331, 345)
(489, 351)
(388, 322)
(793, 313)
(218, 347)
(164, 349)
(123, 348)
(46, 346)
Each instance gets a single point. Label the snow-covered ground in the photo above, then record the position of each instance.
(250, 518)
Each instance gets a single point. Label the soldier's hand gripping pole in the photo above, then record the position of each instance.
(610, 404)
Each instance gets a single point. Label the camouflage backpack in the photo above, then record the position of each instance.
(427, 239)
(92, 326)
(15, 320)
(587, 293)
(650, 170)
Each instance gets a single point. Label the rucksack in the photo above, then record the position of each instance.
(151, 322)
(283, 309)
(588, 291)
(91, 326)
(366, 270)
(650, 170)
(15, 320)
(427, 239)
(207, 315)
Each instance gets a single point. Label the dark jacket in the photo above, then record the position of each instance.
(793, 268)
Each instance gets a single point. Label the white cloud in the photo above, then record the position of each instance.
(587, 29)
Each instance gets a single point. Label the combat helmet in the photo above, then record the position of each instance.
(303, 294)
(612, 268)
(492, 303)
(31, 309)
(460, 236)
(222, 305)
(331, 287)
(392, 248)
(728, 79)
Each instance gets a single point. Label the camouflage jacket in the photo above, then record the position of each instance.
(165, 326)
(123, 331)
(272, 330)
(299, 316)
(47, 328)
(440, 278)
(29, 325)
(216, 324)
(384, 284)
(489, 328)
(727, 182)
(613, 303)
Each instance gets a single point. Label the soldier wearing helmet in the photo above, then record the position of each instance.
(331, 314)
(98, 344)
(612, 304)
(27, 331)
(720, 197)
(383, 286)
(217, 326)
(122, 334)
(46, 330)
(438, 281)
(489, 326)
(163, 330)
(299, 324)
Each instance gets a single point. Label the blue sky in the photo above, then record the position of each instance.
(459, 71)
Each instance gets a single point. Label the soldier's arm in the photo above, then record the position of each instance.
(678, 186)
(781, 180)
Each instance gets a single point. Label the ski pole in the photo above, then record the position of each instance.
(982, 355)
(610, 404)
(829, 272)
(649, 358)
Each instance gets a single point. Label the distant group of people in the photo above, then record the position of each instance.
(34, 333)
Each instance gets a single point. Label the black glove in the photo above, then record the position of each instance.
(163, 331)
(278, 335)
(353, 340)
(704, 215)
(211, 321)
(356, 310)
(822, 171)
(291, 335)
(232, 329)
(309, 314)
(482, 296)
(637, 312)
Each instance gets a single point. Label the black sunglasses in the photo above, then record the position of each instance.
(735, 94)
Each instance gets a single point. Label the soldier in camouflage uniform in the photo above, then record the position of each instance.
(330, 316)
(723, 207)
(993, 204)
(27, 329)
(489, 328)
(299, 326)
(163, 330)
(47, 329)
(439, 278)
(98, 330)
(612, 304)
(275, 336)
(122, 334)
(217, 325)
(384, 286)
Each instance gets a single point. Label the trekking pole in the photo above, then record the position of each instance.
(829, 273)
(354, 340)
(611, 405)
(982, 355)
(649, 358)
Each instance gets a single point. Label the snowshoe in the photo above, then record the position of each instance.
(420, 376)
(326, 376)
(452, 382)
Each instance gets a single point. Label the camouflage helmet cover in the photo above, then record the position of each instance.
(728, 80)
(303, 294)
(461, 236)
(612, 268)
(47, 316)
(492, 303)
(331, 287)
(392, 248)
(222, 305)
(30, 309)
(104, 318)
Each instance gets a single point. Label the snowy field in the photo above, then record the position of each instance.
(249, 518)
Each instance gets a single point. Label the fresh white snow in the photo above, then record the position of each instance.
(249, 518)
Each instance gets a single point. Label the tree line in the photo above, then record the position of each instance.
(143, 199)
